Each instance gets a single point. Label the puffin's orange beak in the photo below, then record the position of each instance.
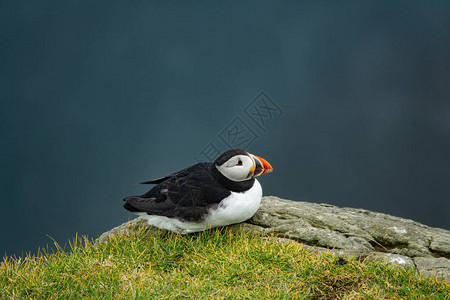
(262, 166)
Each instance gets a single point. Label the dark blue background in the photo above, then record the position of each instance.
(98, 95)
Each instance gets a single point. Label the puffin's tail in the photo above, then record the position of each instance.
(128, 206)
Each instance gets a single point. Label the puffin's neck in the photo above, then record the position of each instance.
(235, 186)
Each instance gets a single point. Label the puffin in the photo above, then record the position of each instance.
(205, 195)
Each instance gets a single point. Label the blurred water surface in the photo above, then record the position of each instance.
(98, 95)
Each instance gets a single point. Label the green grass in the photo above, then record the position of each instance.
(217, 264)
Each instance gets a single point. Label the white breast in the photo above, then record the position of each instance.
(236, 208)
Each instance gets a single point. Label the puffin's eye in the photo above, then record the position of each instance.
(239, 163)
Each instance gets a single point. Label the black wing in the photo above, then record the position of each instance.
(186, 195)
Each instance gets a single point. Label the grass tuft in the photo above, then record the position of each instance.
(218, 263)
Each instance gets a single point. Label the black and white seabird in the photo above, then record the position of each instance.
(204, 195)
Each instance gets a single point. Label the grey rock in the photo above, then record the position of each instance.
(433, 266)
(440, 244)
(348, 231)
(127, 227)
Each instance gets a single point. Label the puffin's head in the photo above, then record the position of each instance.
(239, 165)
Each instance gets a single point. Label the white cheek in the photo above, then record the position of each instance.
(235, 173)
